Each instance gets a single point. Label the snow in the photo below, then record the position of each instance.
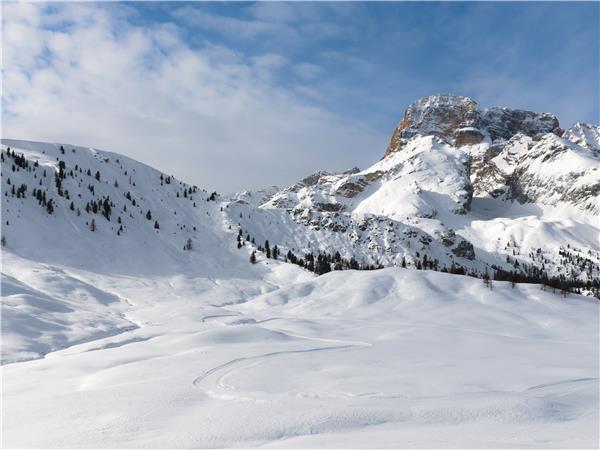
(392, 358)
(128, 341)
(585, 135)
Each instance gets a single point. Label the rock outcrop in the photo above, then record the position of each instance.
(504, 123)
(585, 135)
(460, 122)
(437, 115)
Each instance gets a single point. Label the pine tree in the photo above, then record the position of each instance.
(267, 249)
(106, 209)
(93, 225)
(98, 175)
(149, 215)
(50, 206)
(156, 226)
(253, 257)
(188, 244)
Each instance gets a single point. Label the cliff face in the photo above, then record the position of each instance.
(460, 122)
(517, 155)
(438, 115)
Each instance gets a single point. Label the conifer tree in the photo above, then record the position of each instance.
(106, 209)
(253, 257)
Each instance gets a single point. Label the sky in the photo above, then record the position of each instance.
(234, 96)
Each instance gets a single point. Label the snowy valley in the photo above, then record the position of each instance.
(446, 296)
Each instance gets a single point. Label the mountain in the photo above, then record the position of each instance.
(473, 190)
(131, 311)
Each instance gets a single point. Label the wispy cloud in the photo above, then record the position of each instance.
(210, 115)
(236, 95)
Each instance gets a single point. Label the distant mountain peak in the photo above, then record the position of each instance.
(459, 121)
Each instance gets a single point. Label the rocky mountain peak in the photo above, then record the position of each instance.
(438, 115)
(459, 121)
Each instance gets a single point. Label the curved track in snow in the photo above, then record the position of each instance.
(212, 382)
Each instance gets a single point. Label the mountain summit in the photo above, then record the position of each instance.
(458, 120)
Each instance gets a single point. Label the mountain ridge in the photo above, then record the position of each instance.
(425, 204)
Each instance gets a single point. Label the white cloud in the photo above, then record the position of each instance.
(274, 11)
(307, 70)
(233, 27)
(83, 74)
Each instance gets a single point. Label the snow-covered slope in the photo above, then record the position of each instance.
(150, 216)
(585, 135)
(391, 358)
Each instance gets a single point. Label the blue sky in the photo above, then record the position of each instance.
(236, 87)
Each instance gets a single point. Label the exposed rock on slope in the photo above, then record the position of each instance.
(585, 135)
(437, 115)
(504, 123)
(459, 121)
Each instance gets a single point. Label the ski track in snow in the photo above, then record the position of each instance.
(238, 364)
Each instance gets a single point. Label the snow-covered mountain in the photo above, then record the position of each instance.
(466, 188)
(119, 281)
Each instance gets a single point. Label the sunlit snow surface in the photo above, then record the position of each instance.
(130, 342)
(392, 358)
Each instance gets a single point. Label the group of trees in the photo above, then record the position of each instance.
(538, 276)
(104, 206)
(320, 264)
(19, 160)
